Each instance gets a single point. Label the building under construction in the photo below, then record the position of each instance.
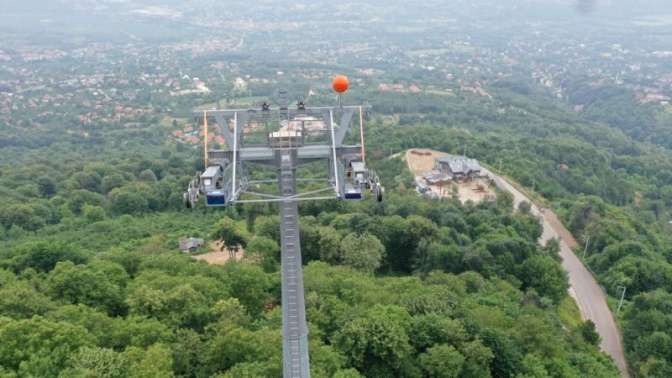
(457, 167)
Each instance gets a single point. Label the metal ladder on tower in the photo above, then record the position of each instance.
(294, 327)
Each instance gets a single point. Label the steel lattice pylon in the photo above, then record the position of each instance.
(294, 327)
(225, 181)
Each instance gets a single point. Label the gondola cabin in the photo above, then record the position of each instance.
(211, 180)
(352, 192)
(359, 173)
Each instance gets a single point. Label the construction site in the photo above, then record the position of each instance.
(441, 175)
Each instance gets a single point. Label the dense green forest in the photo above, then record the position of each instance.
(93, 285)
(569, 100)
(608, 181)
(111, 297)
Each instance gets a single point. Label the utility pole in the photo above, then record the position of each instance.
(620, 303)
(586, 239)
(500, 166)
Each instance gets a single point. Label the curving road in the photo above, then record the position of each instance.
(583, 287)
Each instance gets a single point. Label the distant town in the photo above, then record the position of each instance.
(134, 83)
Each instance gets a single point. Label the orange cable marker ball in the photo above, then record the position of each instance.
(340, 84)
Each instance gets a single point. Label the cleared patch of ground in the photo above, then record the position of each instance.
(477, 190)
(219, 254)
(421, 160)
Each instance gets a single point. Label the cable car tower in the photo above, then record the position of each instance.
(285, 139)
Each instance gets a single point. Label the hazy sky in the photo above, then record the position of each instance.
(86, 17)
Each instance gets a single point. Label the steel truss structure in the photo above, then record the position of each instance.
(306, 135)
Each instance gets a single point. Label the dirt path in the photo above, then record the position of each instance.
(583, 287)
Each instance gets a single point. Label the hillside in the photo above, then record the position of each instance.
(570, 99)
(103, 197)
(115, 211)
(484, 300)
(90, 268)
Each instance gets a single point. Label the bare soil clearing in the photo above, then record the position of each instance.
(219, 254)
(421, 161)
(477, 191)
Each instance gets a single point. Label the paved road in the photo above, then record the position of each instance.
(583, 287)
